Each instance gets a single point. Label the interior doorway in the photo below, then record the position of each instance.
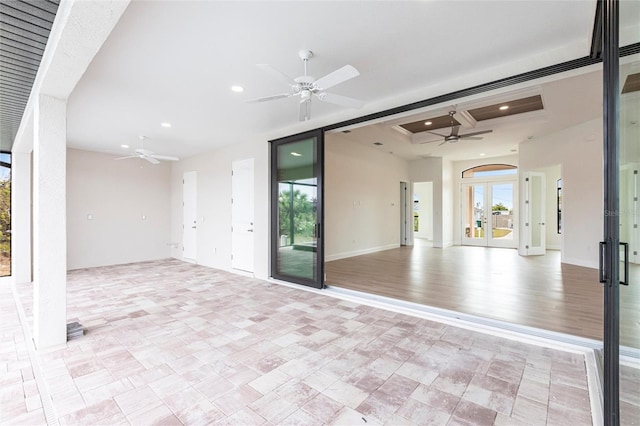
(423, 210)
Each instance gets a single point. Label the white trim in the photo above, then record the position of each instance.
(594, 385)
(581, 262)
(344, 255)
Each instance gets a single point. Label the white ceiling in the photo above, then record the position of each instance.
(175, 61)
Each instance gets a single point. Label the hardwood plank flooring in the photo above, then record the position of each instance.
(535, 291)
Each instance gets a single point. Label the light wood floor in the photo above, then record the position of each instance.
(536, 291)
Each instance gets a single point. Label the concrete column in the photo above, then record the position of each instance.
(49, 223)
(21, 217)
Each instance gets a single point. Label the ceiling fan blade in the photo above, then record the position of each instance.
(125, 158)
(443, 142)
(150, 159)
(276, 73)
(340, 100)
(269, 98)
(338, 76)
(430, 141)
(305, 110)
(437, 134)
(475, 133)
(164, 157)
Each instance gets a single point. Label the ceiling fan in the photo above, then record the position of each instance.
(306, 86)
(150, 156)
(454, 136)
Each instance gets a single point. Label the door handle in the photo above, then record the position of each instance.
(602, 273)
(626, 264)
(249, 230)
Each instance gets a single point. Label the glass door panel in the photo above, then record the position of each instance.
(535, 226)
(474, 219)
(502, 219)
(296, 211)
(629, 214)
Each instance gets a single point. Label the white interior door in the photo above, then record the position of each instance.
(404, 214)
(189, 215)
(535, 224)
(242, 215)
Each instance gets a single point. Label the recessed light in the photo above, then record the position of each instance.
(124, 146)
(504, 107)
(482, 154)
(165, 124)
(428, 123)
(295, 154)
(237, 89)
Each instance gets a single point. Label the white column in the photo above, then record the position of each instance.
(21, 217)
(49, 223)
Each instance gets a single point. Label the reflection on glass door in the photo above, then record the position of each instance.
(629, 170)
(629, 221)
(488, 214)
(296, 207)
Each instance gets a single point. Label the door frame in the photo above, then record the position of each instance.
(488, 182)
(318, 280)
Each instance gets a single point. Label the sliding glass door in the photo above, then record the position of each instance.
(296, 209)
(629, 214)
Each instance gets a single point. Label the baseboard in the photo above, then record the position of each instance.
(581, 262)
(338, 256)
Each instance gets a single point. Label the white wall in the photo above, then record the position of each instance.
(448, 191)
(362, 198)
(424, 193)
(214, 205)
(430, 170)
(579, 151)
(116, 194)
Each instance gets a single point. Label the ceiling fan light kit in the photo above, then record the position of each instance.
(307, 86)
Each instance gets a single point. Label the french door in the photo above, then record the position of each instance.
(488, 215)
(296, 209)
(535, 214)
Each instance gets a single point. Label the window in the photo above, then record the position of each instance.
(490, 170)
